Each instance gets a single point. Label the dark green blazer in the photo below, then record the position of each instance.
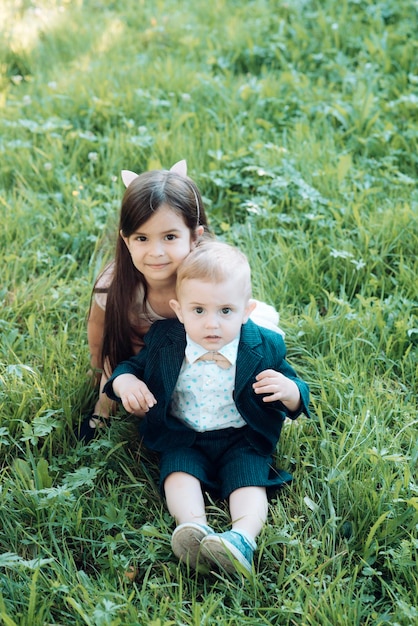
(158, 365)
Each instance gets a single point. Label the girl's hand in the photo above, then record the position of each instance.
(134, 394)
(279, 387)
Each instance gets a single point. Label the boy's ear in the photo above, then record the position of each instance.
(175, 305)
(248, 310)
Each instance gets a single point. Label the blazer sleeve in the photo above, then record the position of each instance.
(275, 348)
(132, 366)
(145, 364)
(135, 365)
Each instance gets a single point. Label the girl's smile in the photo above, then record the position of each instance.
(157, 266)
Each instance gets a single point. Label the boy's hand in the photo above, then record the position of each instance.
(134, 394)
(279, 387)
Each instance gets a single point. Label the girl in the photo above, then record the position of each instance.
(162, 219)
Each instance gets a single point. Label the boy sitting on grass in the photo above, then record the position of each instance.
(215, 389)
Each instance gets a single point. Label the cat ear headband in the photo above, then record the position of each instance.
(179, 168)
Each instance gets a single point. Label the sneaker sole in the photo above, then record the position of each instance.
(223, 553)
(185, 543)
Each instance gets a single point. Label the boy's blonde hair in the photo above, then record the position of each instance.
(215, 262)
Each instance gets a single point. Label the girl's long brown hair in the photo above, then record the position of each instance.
(142, 198)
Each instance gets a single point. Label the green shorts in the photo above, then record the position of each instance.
(223, 461)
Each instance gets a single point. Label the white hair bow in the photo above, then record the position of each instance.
(179, 168)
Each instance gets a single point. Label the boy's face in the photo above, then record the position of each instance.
(212, 313)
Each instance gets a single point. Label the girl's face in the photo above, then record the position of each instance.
(160, 244)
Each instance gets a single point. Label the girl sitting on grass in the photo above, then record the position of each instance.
(162, 219)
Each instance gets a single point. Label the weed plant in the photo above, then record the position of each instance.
(299, 123)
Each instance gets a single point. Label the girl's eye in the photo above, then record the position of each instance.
(170, 237)
(141, 238)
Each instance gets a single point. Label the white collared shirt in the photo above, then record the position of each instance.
(202, 398)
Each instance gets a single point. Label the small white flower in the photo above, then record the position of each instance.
(93, 156)
(342, 254)
(358, 264)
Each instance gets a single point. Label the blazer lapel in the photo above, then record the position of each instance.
(248, 357)
(171, 357)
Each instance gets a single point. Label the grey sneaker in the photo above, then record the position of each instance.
(225, 549)
(185, 541)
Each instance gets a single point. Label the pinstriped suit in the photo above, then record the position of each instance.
(158, 365)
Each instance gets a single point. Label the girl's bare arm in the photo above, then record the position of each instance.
(95, 331)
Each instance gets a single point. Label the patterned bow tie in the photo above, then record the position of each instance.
(216, 357)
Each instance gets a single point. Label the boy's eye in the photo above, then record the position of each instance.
(226, 310)
(198, 310)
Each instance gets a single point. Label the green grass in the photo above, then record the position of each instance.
(298, 121)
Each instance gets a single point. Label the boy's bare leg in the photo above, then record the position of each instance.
(248, 508)
(184, 497)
